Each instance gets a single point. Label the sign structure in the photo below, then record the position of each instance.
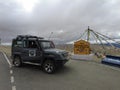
(81, 47)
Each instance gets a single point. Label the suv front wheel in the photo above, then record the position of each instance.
(49, 66)
(17, 62)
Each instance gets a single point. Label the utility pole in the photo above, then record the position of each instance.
(50, 35)
(0, 41)
(88, 34)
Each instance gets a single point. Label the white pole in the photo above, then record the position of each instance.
(50, 35)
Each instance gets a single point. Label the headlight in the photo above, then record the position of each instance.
(63, 55)
(57, 52)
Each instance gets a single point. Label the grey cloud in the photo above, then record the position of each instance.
(72, 17)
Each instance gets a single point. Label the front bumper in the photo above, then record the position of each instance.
(61, 62)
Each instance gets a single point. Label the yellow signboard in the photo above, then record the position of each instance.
(81, 47)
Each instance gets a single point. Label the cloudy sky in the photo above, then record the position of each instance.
(67, 19)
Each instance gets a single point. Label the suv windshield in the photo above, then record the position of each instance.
(47, 44)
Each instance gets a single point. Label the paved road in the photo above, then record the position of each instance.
(76, 75)
(5, 83)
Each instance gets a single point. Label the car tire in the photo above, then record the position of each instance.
(49, 66)
(17, 62)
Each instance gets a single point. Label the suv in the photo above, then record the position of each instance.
(33, 49)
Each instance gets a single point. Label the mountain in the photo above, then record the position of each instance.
(114, 44)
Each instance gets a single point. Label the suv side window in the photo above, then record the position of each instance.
(25, 44)
(32, 44)
(18, 44)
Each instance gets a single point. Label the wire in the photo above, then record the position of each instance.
(94, 37)
(108, 38)
(97, 35)
(50, 35)
(107, 42)
(82, 35)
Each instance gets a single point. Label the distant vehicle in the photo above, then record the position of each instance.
(37, 50)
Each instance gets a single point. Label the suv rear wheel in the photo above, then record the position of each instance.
(17, 61)
(49, 66)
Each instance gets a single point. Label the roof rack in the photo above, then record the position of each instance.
(19, 37)
(40, 38)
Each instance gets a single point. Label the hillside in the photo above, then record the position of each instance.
(94, 48)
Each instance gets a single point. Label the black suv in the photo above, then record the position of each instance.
(33, 49)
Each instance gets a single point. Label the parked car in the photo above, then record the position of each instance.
(35, 49)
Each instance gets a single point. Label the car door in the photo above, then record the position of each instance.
(31, 51)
